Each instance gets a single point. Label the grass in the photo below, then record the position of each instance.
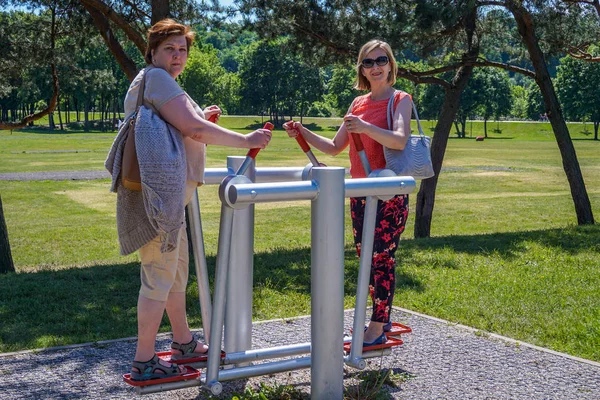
(505, 254)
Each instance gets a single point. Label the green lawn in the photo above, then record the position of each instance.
(505, 254)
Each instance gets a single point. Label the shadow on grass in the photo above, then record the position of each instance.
(572, 239)
(78, 305)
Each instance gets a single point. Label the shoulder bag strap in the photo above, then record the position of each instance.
(390, 114)
(140, 98)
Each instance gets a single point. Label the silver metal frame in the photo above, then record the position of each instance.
(326, 188)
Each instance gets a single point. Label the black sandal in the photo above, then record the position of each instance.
(147, 370)
(187, 350)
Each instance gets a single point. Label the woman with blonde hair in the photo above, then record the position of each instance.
(376, 71)
(164, 268)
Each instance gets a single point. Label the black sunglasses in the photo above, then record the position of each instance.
(370, 63)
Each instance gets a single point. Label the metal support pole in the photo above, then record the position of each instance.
(362, 288)
(193, 209)
(218, 316)
(327, 284)
(238, 309)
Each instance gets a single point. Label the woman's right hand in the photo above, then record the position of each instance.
(292, 128)
(259, 139)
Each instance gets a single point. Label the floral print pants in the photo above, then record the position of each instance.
(391, 219)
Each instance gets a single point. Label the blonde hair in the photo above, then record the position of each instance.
(362, 83)
(161, 31)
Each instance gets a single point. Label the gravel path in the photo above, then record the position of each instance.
(439, 359)
(55, 176)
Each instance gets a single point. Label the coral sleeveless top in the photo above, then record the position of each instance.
(374, 112)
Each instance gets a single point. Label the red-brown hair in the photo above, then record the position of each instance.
(161, 31)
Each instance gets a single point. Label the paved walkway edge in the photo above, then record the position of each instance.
(443, 321)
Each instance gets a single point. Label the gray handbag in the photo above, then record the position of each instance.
(415, 159)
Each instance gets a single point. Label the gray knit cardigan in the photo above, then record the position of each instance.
(158, 209)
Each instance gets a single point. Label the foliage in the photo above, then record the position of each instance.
(535, 103)
(519, 104)
(580, 99)
(267, 392)
(340, 92)
(207, 82)
(276, 81)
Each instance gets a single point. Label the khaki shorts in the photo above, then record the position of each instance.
(163, 273)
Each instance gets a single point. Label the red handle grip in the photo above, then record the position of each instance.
(302, 142)
(213, 118)
(357, 142)
(253, 152)
(299, 138)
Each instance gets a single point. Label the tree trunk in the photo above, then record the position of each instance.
(86, 123)
(583, 208)
(6, 261)
(426, 195)
(485, 127)
(596, 123)
(60, 121)
(114, 119)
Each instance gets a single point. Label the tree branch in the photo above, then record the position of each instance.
(491, 3)
(109, 13)
(580, 54)
(482, 62)
(421, 77)
(36, 116)
(124, 61)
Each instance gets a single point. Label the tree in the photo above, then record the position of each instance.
(207, 82)
(333, 31)
(519, 103)
(524, 13)
(340, 92)
(580, 99)
(14, 55)
(496, 101)
(285, 84)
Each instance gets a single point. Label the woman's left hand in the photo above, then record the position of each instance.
(354, 124)
(210, 111)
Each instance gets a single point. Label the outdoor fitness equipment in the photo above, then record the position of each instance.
(326, 188)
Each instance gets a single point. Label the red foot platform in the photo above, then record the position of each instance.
(190, 373)
(398, 329)
(166, 355)
(391, 342)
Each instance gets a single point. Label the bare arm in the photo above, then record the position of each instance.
(394, 139)
(180, 113)
(328, 146)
